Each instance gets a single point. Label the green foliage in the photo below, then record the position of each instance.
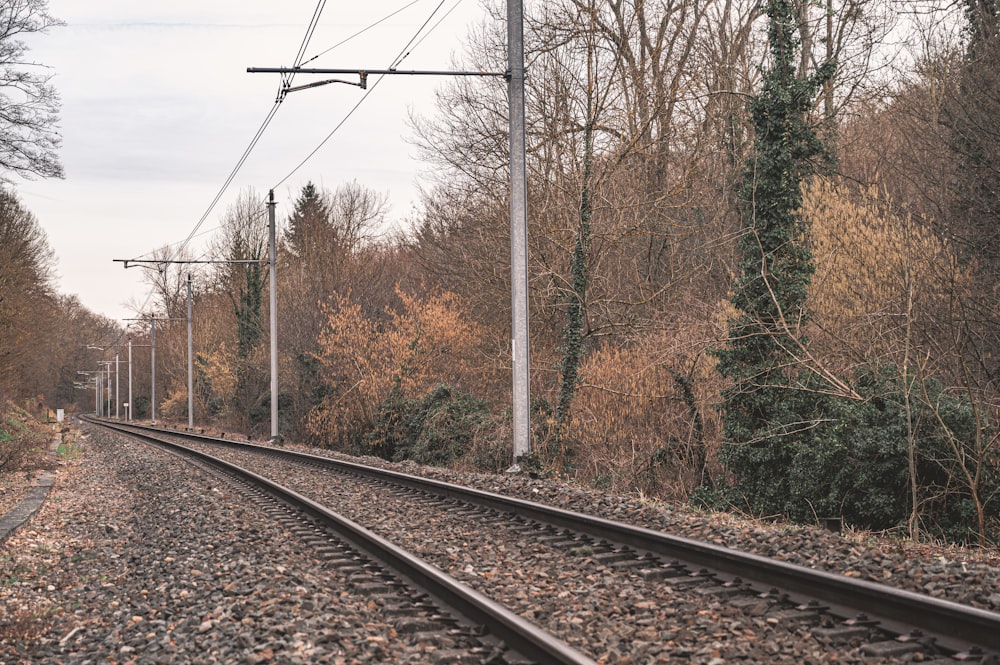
(436, 429)
(853, 464)
(310, 214)
(573, 333)
(775, 264)
(140, 407)
(971, 115)
(248, 309)
(260, 413)
(772, 409)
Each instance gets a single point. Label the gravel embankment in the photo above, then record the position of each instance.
(131, 560)
(615, 616)
(969, 576)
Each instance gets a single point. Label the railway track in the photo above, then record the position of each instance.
(850, 616)
(425, 599)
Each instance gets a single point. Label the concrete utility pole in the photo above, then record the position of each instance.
(272, 262)
(152, 366)
(128, 409)
(100, 391)
(518, 205)
(130, 405)
(518, 234)
(190, 358)
(152, 370)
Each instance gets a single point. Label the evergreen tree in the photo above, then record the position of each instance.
(248, 309)
(307, 222)
(769, 403)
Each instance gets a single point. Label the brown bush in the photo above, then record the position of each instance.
(428, 341)
(22, 440)
(643, 419)
(878, 273)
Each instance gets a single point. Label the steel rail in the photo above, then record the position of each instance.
(953, 625)
(518, 634)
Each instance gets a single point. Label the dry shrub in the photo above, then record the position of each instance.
(174, 407)
(23, 441)
(429, 340)
(215, 386)
(215, 380)
(876, 273)
(643, 418)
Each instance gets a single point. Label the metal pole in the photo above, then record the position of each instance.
(97, 393)
(100, 391)
(108, 398)
(274, 314)
(152, 371)
(128, 409)
(518, 233)
(117, 375)
(190, 361)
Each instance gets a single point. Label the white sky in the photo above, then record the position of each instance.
(157, 108)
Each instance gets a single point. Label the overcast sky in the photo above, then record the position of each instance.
(157, 107)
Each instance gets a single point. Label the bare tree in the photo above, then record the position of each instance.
(29, 104)
(26, 292)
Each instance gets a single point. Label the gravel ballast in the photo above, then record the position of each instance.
(140, 557)
(615, 615)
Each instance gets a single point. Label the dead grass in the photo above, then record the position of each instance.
(23, 440)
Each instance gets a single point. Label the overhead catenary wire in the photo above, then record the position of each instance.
(435, 26)
(402, 55)
(286, 80)
(414, 41)
(407, 49)
(307, 38)
(361, 32)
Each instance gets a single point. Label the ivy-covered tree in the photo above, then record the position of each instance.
(773, 400)
(243, 242)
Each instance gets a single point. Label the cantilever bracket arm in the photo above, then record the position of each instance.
(362, 83)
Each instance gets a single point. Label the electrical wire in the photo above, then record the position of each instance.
(403, 54)
(439, 22)
(407, 49)
(310, 30)
(286, 79)
(413, 43)
(360, 32)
